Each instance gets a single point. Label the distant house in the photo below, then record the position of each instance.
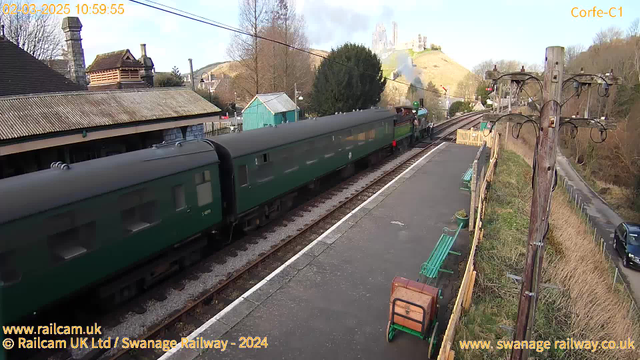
(121, 70)
(478, 106)
(268, 110)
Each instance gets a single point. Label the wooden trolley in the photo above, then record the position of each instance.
(413, 308)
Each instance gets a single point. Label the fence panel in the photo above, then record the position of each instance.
(466, 286)
(474, 137)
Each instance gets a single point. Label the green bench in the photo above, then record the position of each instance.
(432, 267)
(466, 179)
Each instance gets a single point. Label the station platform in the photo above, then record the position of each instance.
(331, 301)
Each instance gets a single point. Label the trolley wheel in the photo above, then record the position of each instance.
(432, 340)
(390, 332)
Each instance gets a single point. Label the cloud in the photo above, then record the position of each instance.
(333, 23)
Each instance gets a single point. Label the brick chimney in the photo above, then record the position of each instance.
(71, 27)
(147, 73)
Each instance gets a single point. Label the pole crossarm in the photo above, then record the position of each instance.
(605, 124)
(590, 79)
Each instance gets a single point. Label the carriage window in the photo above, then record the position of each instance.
(203, 188)
(201, 177)
(138, 210)
(262, 159)
(70, 235)
(243, 175)
(349, 135)
(179, 200)
(371, 134)
(9, 273)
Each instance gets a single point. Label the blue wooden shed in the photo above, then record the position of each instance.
(268, 110)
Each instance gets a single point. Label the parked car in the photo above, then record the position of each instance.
(626, 240)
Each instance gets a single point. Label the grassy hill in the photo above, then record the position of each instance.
(232, 68)
(315, 60)
(429, 65)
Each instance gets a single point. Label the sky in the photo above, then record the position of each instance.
(469, 31)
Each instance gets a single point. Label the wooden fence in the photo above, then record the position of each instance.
(474, 137)
(463, 300)
(216, 126)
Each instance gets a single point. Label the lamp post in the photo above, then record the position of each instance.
(296, 96)
(235, 108)
(208, 88)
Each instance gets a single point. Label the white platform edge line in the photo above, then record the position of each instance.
(257, 286)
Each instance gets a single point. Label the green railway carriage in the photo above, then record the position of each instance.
(261, 166)
(65, 228)
(69, 229)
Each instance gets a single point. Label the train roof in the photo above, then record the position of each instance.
(38, 191)
(254, 141)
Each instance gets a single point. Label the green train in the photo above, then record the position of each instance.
(117, 225)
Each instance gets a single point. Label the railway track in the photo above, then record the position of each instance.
(209, 304)
(198, 310)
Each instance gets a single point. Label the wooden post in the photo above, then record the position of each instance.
(466, 304)
(546, 143)
(474, 193)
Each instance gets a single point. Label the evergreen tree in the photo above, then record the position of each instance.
(349, 79)
(168, 79)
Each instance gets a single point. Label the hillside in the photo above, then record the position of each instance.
(207, 68)
(315, 60)
(232, 68)
(428, 65)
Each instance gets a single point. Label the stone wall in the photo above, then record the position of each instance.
(193, 132)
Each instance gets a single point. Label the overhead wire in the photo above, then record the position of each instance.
(203, 20)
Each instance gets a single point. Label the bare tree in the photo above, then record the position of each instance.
(467, 86)
(287, 66)
(503, 66)
(634, 28)
(607, 35)
(633, 35)
(38, 34)
(246, 49)
(571, 53)
(483, 67)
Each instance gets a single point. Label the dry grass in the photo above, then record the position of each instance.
(600, 311)
(502, 252)
(587, 307)
(434, 66)
(618, 198)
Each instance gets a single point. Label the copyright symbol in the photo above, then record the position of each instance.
(8, 344)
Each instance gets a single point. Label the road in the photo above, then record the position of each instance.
(603, 218)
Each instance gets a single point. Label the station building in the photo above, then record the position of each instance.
(48, 115)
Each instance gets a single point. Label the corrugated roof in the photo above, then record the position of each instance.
(29, 115)
(275, 102)
(114, 60)
(21, 73)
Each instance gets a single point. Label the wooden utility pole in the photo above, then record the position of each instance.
(545, 165)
